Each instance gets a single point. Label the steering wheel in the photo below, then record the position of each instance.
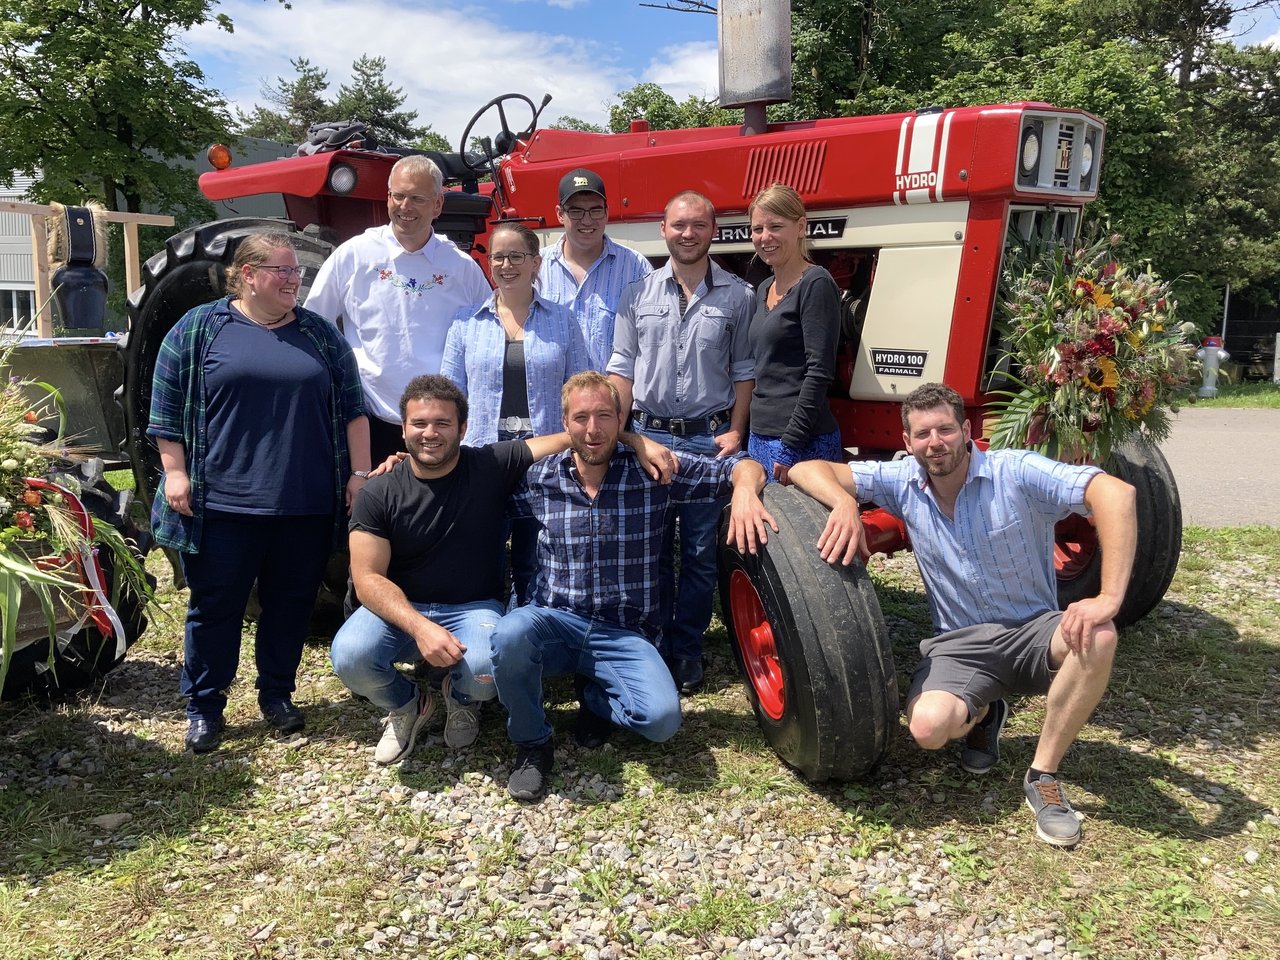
(505, 140)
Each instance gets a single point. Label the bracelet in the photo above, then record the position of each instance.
(362, 474)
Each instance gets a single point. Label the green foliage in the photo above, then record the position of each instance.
(574, 123)
(650, 102)
(96, 98)
(294, 105)
(370, 99)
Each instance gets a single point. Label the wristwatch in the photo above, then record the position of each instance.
(362, 474)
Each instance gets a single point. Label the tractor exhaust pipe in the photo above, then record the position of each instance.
(755, 58)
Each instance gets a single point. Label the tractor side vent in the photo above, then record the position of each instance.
(799, 165)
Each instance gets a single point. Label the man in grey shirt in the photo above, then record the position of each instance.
(682, 364)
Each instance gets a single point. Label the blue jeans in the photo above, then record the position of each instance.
(287, 557)
(626, 678)
(367, 648)
(684, 609)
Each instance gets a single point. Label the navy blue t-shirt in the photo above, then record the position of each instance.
(270, 449)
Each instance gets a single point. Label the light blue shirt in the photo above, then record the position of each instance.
(595, 302)
(474, 351)
(684, 365)
(994, 562)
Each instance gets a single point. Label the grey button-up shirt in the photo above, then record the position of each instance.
(684, 365)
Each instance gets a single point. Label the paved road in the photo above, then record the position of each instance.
(1227, 465)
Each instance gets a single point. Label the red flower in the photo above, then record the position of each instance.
(31, 498)
(30, 416)
(24, 520)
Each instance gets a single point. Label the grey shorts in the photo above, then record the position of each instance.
(988, 661)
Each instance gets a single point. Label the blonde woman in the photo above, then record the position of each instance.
(794, 335)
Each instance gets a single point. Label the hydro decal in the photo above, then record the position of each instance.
(898, 363)
(922, 153)
(820, 228)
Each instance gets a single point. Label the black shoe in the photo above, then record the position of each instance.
(204, 734)
(532, 768)
(590, 730)
(687, 674)
(283, 716)
(982, 746)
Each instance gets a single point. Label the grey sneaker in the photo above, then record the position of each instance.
(402, 728)
(532, 768)
(1056, 822)
(461, 720)
(982, 746)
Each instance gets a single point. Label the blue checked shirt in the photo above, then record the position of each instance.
(596, 301)
(599, 558)
(475, 350)
(994, 562)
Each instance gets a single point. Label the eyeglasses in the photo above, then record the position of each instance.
(577, 213)
(416, 199)
(515, 259)
(284, 273)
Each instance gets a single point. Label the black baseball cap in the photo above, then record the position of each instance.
(580, 181)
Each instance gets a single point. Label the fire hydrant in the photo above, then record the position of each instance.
(1211, 356)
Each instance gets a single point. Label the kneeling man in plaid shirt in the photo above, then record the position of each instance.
(595, 599)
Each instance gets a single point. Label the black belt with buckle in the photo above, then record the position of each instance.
(681, 426)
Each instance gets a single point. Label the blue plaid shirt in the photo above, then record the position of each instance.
(599, 558)
(179, 410)
(595, 303)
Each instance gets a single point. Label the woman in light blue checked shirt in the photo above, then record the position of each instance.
(511, 355)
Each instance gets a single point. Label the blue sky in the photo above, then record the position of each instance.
(450, 56)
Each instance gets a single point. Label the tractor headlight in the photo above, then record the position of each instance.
(342, 179)
(1029, 154)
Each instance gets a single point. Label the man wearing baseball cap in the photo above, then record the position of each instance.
(586, 270)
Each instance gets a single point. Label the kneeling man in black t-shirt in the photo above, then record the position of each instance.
(425, 543)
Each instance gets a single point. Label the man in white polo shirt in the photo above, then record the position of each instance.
(397, 288)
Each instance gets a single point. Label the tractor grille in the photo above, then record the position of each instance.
(797, 164)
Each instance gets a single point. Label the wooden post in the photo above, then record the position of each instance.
(40, 251)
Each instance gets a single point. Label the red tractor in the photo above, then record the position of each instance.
(911, 213)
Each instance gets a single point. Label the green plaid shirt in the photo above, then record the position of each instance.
(179, 410)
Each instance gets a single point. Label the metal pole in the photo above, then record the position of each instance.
(1226, 302)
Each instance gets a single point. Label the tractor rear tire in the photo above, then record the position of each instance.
(811, 644)
(87, 655)
(190, 271)
(1078, 558)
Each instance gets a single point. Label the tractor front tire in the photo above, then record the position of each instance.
(1078, 557)
(812, 646)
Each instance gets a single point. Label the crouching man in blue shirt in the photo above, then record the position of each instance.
(601, 524)
(981, 526)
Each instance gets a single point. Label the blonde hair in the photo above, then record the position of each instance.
(253, 251)
(782, 201)
(588, 380)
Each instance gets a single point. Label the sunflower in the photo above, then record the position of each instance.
(1104, 377)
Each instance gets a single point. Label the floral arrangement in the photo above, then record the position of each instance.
(1096, 352)
(42, 542)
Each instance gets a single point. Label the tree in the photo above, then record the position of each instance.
(650, 102)
(433, 140)
(370, 99)
(96, 99)
(574, 123)
(297, 104)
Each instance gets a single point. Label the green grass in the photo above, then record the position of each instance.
(1176, 774)
(1252, 394)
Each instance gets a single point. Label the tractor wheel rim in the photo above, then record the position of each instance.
(1074, 547)
(756, 643)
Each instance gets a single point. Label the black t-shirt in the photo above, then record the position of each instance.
(445, 534)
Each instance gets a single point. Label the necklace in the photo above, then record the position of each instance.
(265, 324)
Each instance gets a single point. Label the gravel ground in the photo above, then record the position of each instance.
(707, 847)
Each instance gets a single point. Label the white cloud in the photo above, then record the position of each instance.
(449, 61)
(566, 4)
(1273, 40)
(687, 69)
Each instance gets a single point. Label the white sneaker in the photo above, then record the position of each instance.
(462, 720)
(402, 728)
